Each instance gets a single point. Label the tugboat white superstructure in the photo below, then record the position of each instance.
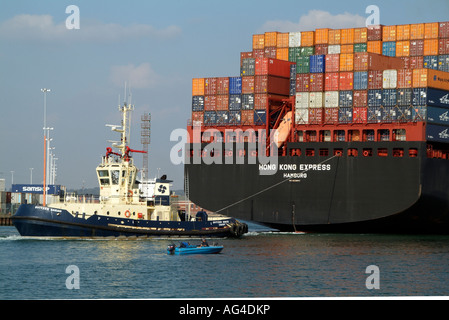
(126, 207)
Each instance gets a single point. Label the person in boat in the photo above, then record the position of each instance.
(204, 243)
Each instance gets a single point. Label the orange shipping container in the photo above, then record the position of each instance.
(346, 62)
(374, 47)
(198, 87)
(417, 31)
(403, 32)
(360, 35)
(431, 30)
(346, 48)
(270, 39)
(430, 78)
(307, 38)
(402, 48)
(282, 40)
(347, 36)
(431, 47)
(258, 41)
(282, 53)
(334, 36)
(389, 33)
(322, 36)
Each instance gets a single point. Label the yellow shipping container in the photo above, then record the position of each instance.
(389, 33)
(402, 48)
(282, 40)
(417, 31)
(360, 35)
(346, 62)
(403, 32)
(431, 30)
(431, 47)
(282, 53)
(322, 36)
(307, 38)
(347, 36)
(270, 39)
(198, 87)
(258, 41)
(374, 47)
(334, 36)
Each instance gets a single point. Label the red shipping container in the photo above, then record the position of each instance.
(346, 81)
(316, 82)
(360, 98)
(443, 46)
(330, 115)
(315, 115)
(416, 48)
(332, 62)
(247, 117)
(359, 114)
(405, 77)
(364, 61)
(375, 79)
(321, 49)
(222, 102)
(210, 103)
(444, 30)
(271, 84)
(223, 85)
(273, 67)
(198, 116)
(331, 80)
(210, 86)
(413, 62)
(248, 84)
(270, 52)
(302, 82)
(259, 53)
(374, 33)
(245, 55)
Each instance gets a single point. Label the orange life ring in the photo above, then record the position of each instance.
(127, 213)
(366, 153)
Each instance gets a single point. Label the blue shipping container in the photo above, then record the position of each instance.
(197, 103)
(431, 62)
(438, 98)
(235, 85)
(443, 62)
(389, 97)
(222, 117)
(404, 96)
(419, 97)
(260, 117)
(345, 115)
(361, 80)
(35, 188)
(438, 115)
(317, 64)
(404, 113)
(419, 113)
(375, 98)
(210, 118)
(389, 48)
(389, 114)
(235, 102)
(247, 101)
(345, 98)
(437, 133)
(234, 117)
(375, 114)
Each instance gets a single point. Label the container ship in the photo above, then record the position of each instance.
(330, 130)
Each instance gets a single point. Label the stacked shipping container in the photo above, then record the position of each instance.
(358, 75)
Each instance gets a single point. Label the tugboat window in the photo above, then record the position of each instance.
(115, 174)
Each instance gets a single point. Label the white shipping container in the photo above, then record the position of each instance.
(315, 99)
(390, 79)
(302, 100)
(294, 39)
(333, 49)
(331, 99)
(301, 115)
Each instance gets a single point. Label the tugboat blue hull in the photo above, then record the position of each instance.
(39, 221)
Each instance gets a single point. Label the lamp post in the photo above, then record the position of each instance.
(31, 175)
(45, 90)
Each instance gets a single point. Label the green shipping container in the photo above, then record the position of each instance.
(303, 65)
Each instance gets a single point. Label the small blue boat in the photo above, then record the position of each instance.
(185, 248)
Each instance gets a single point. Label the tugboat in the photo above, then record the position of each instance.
(126, 207)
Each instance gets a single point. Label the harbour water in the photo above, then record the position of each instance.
(262, 264)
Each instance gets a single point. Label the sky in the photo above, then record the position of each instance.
(157, 47)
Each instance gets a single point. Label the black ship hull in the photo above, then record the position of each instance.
(398, 191)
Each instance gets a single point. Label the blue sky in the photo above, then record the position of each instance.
(157, 46)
